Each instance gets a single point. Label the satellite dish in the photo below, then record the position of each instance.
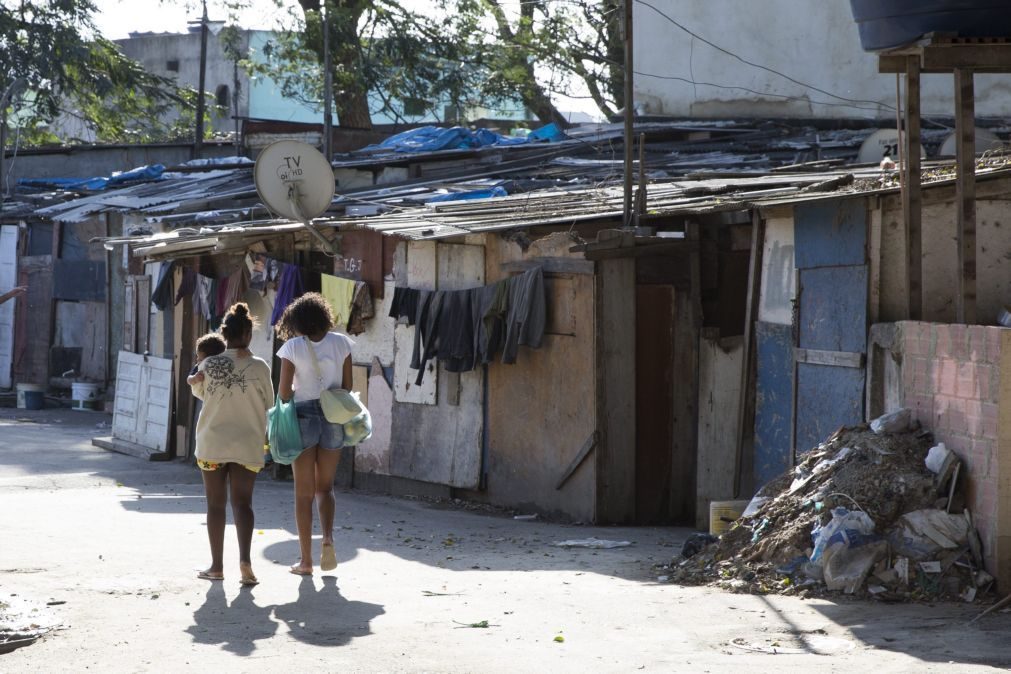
(294, 180)
(879, 144)
(985, 140)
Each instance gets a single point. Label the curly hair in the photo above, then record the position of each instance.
(237, 322)
(210, 344)
(310, 314)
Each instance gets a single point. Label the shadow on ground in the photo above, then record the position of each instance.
(319, 617)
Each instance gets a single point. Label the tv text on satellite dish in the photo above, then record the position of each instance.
(291, 168)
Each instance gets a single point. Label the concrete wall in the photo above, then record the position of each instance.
(815, 42)
(940, 253)
(956, 379)
(155, 50)
(102, 160)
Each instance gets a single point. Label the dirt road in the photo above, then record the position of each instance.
(113, 543)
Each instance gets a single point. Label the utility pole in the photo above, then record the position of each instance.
(327, 86)
(198, 141)
(629, 112)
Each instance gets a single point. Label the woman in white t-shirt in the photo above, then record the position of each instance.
(306, 325)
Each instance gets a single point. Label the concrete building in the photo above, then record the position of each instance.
(814, 43)
(233, 93)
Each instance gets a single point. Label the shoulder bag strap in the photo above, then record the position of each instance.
(315, 360)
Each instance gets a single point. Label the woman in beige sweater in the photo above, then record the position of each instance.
(236, 390)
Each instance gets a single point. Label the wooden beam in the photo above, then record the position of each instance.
(991, 57)
(644, 251)
(745, 407)
(836, 358)
(551, 265)
(912, 194)
(577, 461)
(965, 190)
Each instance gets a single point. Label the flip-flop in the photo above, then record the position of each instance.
(250, 580)
(207, 575)
(296, 571)
(328, 559)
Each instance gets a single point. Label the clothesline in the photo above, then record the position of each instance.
(467, 328)
(350, 300)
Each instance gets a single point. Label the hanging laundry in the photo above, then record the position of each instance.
(456, 330)
(404, 304)
(238, 284)
(221, 300)
(340, 293)
(426, 331)
(361, 308)
(187, 284)
(527, 317)
(162, 295)
(490, 320)
(289, 287)
(202, 297)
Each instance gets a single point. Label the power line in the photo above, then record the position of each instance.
(759, 65)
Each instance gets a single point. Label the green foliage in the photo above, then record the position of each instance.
(472, 53)
(64, 69)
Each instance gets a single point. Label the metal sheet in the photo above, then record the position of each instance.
(830, 233)
(773, 400)
(828, 397)
(833, 309)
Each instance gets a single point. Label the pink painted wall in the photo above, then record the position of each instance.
(951, 379)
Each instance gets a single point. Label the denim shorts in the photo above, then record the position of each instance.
(315, 429)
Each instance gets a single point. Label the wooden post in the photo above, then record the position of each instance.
(745, 408)
(911, 196)
(965, 190)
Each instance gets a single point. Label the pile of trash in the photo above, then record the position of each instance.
(874, 510)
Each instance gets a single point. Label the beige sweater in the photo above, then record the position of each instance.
(237, 392)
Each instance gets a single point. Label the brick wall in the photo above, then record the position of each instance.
(951, 380)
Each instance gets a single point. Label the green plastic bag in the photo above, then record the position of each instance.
(282, 432)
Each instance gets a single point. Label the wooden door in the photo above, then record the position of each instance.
(654, 402)
(143, 400)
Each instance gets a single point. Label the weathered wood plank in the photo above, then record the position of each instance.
(615, 456)
(965, 181)
(684, 450)
(578, 459)
(721, 374)
(837, 358)
(551, 265)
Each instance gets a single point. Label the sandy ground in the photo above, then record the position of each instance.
(114, 542)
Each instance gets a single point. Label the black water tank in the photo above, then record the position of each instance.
(885, 24)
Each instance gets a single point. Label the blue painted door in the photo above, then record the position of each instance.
(773, 400)
(830, 239)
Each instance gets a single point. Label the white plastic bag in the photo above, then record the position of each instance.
(846, 527)
(893, 422)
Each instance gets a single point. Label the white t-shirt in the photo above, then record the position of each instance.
(331, 352)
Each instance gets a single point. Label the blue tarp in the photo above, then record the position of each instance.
(140, 174)
(434, 138)
(486, 193)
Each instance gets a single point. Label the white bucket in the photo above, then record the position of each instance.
(84, 396)
(22, 388)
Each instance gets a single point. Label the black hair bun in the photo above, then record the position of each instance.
(240, 309)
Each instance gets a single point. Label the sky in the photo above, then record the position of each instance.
(118, 18)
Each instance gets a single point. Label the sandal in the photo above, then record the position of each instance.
(298, 571)
(248, 578)
(328, 558)
(210, 575)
